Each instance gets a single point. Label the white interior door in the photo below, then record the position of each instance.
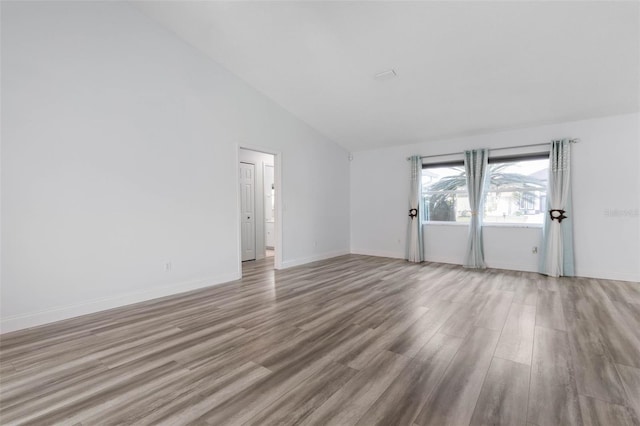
(247, 211)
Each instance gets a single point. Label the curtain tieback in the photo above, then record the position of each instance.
(413, 213)
(474, 212)
(557, 214)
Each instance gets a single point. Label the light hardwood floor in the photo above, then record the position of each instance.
(351, 340)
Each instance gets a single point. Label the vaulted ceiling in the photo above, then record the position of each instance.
(462, 67)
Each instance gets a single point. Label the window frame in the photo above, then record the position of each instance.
(544, 155)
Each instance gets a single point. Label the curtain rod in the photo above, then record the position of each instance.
(495, 149)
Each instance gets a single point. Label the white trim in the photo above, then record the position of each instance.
(443, 223)
(378, 253)
(19, 322)
(512, 225)
(448, 260)
(609, 275)
(487, 224)
(392, 255)
(304, 260)
(279, 211)
(494, 265)
(236, 179)
(512, 267)
(23, 321)
(605, 275)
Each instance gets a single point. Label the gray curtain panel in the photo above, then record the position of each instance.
(556, 259)
(475, 163)
(415, 249)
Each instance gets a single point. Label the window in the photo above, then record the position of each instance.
(444, 193)
(516, 191)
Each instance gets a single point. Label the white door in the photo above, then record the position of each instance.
(247, 210)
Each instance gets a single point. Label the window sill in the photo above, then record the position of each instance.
(487, 225)
(512, 225)
(445, 223)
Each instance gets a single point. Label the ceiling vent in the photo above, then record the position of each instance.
(386, 75)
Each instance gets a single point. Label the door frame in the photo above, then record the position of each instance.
(277, 166)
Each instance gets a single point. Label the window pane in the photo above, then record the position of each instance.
(517, 192)
(445, 194)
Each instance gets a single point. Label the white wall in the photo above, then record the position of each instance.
(120, 147)
(605, 176)
(506, 247)
(258, 159)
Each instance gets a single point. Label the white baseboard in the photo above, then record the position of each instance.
(378, 253)
(303, 260)
(19, 322)
(512, 267)
(609, 275)
(438, 259)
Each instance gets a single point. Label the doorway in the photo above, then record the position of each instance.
(258, 194)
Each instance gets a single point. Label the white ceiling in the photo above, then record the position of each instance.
(463, 67)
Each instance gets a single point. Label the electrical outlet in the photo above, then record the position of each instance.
(534, 250)
(167, 266)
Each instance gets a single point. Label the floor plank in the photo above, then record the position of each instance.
(516, 340)
(300, 402)
(495, 311)
(402, 401)
(346, 406)
(595, 370)
(631, 379)
(455, 398)
(549, 312)
(596, 412)
(553, 396)
(503, 399)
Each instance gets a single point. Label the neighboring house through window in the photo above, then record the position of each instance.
(516, 191)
